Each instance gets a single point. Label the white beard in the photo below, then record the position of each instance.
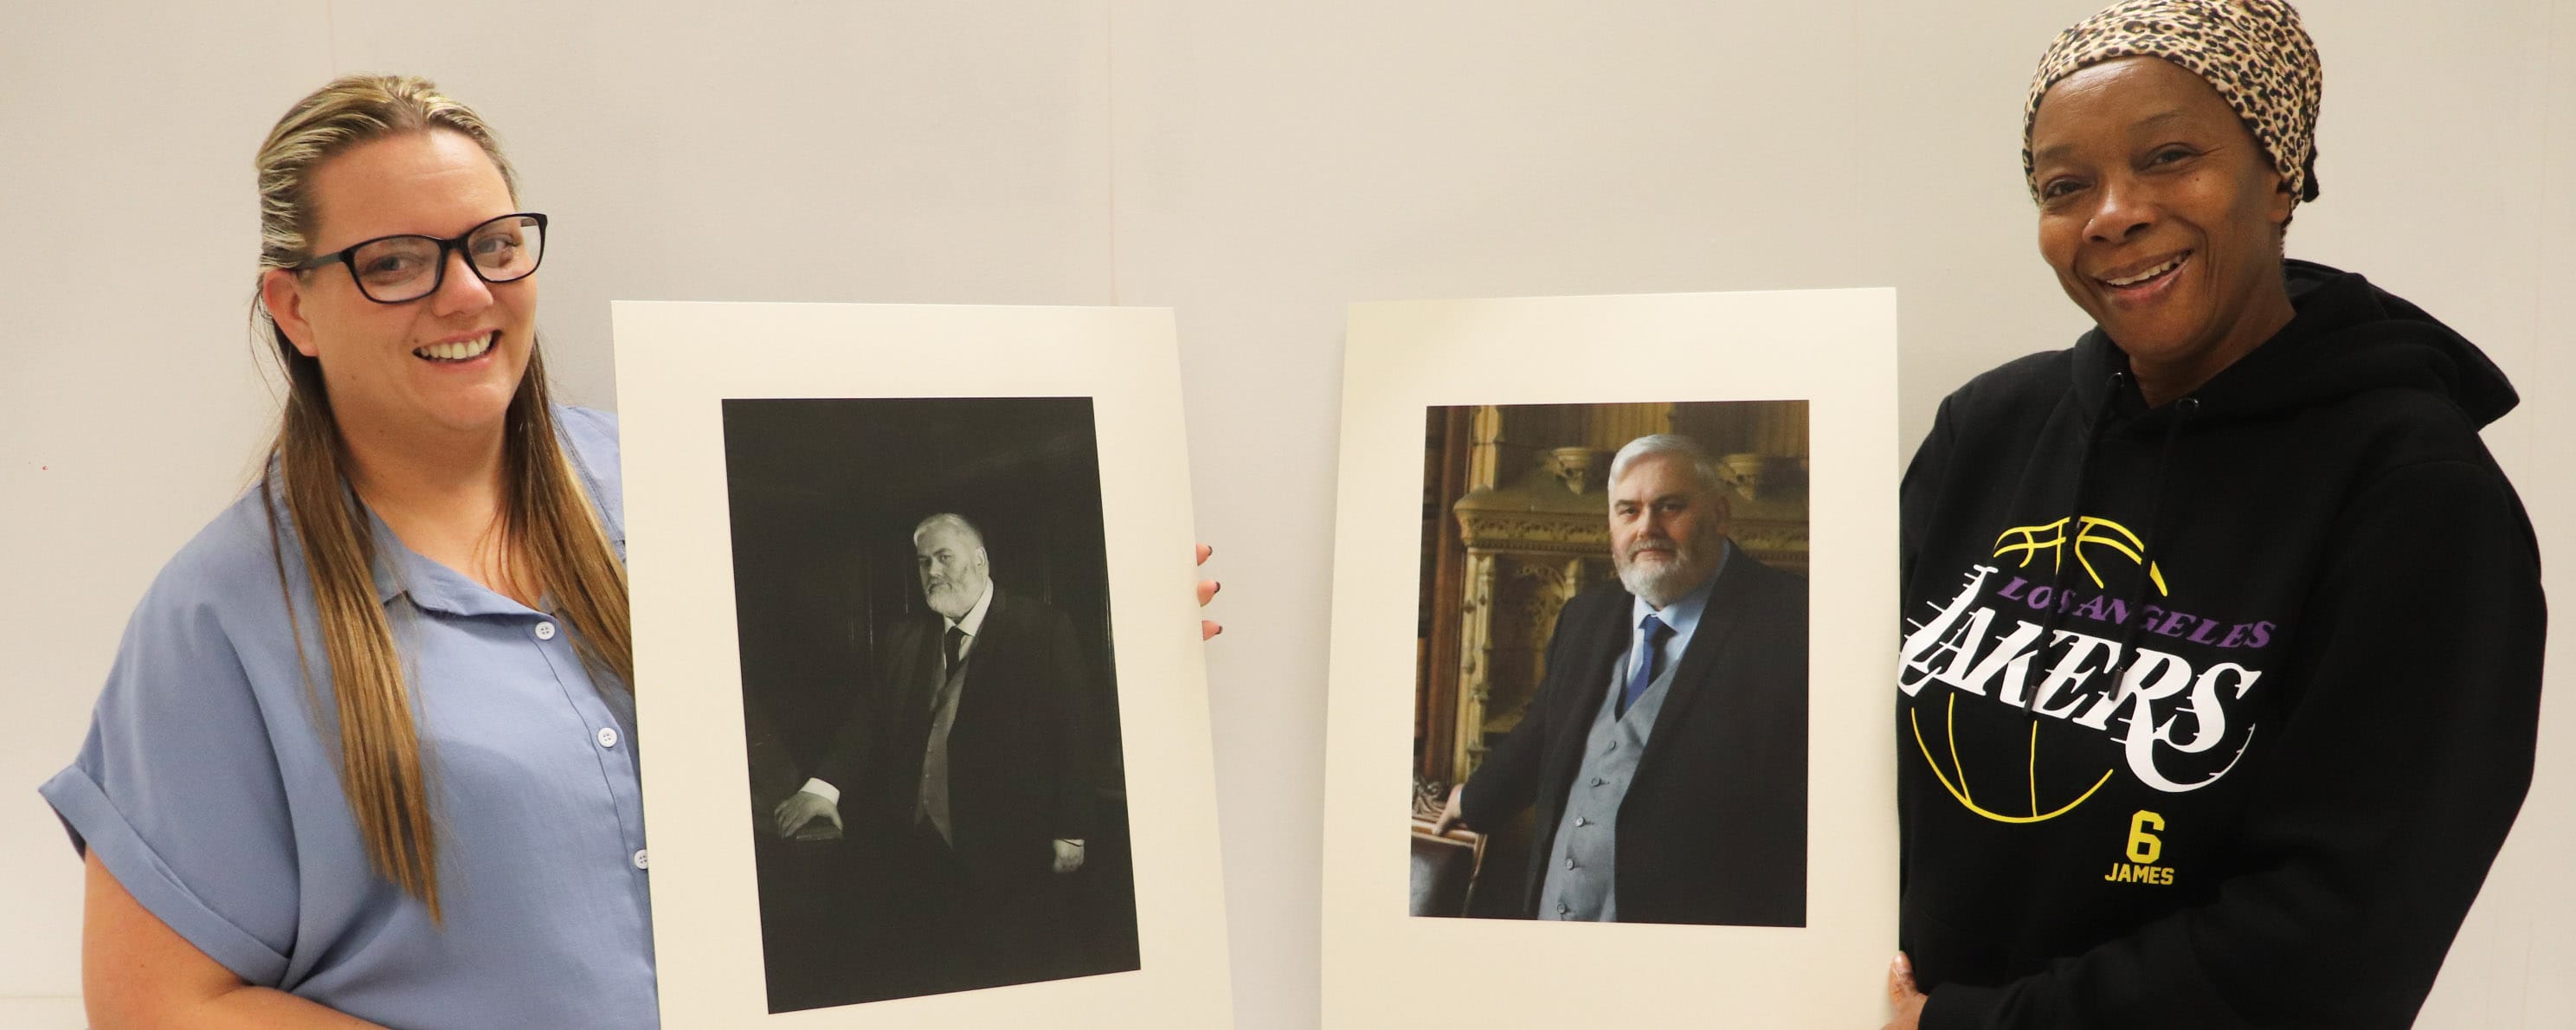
(1661, 582)
(951, 599)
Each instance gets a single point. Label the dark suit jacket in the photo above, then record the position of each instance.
(1714, 826)
(1019, 758)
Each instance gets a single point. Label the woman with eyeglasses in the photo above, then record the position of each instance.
(367, 752)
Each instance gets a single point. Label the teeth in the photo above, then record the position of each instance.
(2149, 273)
(458, 351)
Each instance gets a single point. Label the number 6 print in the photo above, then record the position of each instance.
(2143, 846)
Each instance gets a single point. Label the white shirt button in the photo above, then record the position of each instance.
(639, 859)
(607, 736)
(545, 631)
(1581, 821)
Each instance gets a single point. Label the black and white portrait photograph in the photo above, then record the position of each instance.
(1610, 718)
(923, 664)
(930, 708)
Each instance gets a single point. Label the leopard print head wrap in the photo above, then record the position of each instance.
(2252, 51)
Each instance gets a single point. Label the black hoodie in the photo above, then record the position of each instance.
(2213, 714)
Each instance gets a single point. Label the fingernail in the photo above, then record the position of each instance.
(1218, 588)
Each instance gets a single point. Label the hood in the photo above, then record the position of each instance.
(2347, 337)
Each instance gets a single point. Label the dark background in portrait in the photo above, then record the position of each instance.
(1507, 469)
(824, 494)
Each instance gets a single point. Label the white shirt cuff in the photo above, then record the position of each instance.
(822, 790)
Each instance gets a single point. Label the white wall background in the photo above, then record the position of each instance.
(1254, 165)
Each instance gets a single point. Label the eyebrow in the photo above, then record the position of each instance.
(2149, 122)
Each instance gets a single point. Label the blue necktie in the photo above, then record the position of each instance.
(1652, 662)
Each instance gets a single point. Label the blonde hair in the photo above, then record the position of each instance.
(547, 521)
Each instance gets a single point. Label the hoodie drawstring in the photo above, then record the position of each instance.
(2067, 537)
(2125, 654)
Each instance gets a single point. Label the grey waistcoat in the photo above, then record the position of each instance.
(1579, 865)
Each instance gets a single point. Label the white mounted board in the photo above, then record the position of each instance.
(679, 364)
(1834, 349)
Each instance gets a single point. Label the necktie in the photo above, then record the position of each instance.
(930, 802)
(1648, 664)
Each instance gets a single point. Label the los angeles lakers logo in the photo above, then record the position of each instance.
(1987, 641)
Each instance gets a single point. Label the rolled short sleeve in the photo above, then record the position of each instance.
(178, 789)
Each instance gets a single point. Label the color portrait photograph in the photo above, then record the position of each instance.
(1605, 575)
(1610, 719)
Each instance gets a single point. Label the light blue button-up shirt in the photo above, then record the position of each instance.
(208, 786)
(1682, 616)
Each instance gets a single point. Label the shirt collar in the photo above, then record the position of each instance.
(1683, 614)
(431, 586)
(397, 569)
(973, 621)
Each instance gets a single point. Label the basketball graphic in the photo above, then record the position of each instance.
(2101, 534)
(1958, 788)
(1979, 655)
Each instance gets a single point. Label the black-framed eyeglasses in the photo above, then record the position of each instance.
(398, 269)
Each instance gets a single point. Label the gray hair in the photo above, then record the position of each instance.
(946, 520)
(1703, 466)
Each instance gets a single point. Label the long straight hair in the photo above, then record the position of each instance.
(547, 526)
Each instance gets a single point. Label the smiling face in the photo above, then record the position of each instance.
(953, 571)
(2161, 216)
(1664, 528)
(444, 365)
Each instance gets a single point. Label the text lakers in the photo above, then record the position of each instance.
(1966, 646)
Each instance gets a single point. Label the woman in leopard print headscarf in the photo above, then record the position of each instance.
(2286, 693)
